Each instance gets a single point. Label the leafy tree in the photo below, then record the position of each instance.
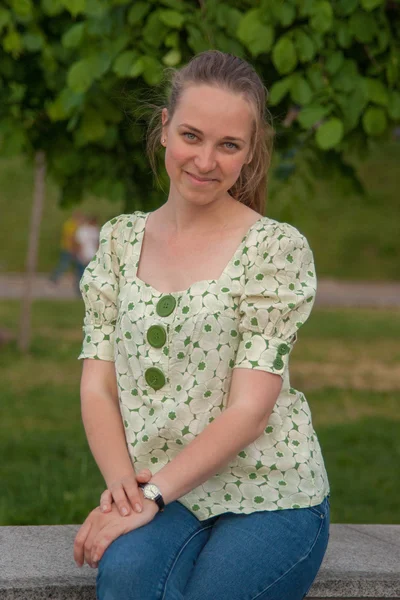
(67, 68)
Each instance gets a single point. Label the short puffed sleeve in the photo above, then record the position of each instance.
(99, 287)
(279, 292)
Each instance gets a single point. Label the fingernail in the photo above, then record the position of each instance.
(138, 508)
(124, 511)
(104, 508)
(77, 564)
(95, 558)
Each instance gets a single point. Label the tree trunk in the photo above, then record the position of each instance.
(31, 261)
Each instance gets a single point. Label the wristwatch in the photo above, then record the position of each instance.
(152, 492)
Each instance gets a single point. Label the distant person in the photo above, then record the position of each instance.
(87, 241)
(67, 256)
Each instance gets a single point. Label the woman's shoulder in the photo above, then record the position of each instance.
(120, 227)
(270, 231)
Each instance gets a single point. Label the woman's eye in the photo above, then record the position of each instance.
(187, 134)
(231, 145)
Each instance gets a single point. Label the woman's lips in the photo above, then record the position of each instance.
(198, 181)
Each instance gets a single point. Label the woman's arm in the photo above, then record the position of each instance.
(105, 432)
(251, 401)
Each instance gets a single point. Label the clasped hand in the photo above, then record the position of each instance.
(113, 518)
(100, 529)
(125, 493)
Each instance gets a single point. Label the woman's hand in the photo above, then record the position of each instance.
(125, 493)
(100, 529)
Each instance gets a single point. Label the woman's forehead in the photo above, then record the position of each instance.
(216, 110)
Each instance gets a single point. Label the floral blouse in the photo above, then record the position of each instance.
(174, 355)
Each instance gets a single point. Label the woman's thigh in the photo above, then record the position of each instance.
(138, 565)
(267, 555)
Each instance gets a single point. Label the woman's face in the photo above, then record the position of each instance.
(207, 142)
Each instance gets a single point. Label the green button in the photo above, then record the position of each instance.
(156, 336)
(283, 349)
(155, 378)
(165, 306)
(278, 363)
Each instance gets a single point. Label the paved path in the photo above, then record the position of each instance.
(330, 292)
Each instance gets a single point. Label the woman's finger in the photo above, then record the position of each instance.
(80, 540)
(106, 501)
(103, 539)
(88, 545)
(144, 475)
(134, 495)
(122, 502)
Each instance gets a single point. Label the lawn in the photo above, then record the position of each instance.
(346, 362)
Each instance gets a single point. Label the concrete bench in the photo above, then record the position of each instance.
(362, 561)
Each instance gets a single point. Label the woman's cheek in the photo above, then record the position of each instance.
(235, 170)
(175, 157)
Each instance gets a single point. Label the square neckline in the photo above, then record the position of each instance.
(139, 246)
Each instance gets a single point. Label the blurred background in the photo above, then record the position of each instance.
(76, 80)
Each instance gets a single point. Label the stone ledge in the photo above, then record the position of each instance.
(362, 561)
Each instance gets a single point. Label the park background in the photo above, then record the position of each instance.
(70, 72)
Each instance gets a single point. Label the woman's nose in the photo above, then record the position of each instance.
(205, 159)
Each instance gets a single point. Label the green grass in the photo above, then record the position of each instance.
(49, 477)
(360, 459)
(366, 325)
(352, 237)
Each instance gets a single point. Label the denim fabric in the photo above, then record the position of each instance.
(266, 555)
(65, 261)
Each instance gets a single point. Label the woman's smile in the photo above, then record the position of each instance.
(199, 180)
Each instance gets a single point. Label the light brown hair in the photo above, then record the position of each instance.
(216, 68)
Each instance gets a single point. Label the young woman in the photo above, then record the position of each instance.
(191, 313)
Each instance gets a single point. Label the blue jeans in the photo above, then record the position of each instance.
(266, 555)
(65, 260)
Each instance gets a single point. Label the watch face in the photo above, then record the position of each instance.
(151, 491)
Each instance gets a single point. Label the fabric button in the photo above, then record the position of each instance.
(156, 336)
(283, 349)
(165, 306)
(278, 363)
(155, 378)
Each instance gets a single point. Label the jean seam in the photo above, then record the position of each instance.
(314, 509)
(295, 565)
(316, 512)
(178, 555)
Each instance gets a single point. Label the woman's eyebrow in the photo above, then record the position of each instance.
(226, 137)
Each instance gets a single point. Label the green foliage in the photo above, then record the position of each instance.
(322, 16)
(329, 134)
(374, 121)
(71, 73)
(284, 55)
(257, 36)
